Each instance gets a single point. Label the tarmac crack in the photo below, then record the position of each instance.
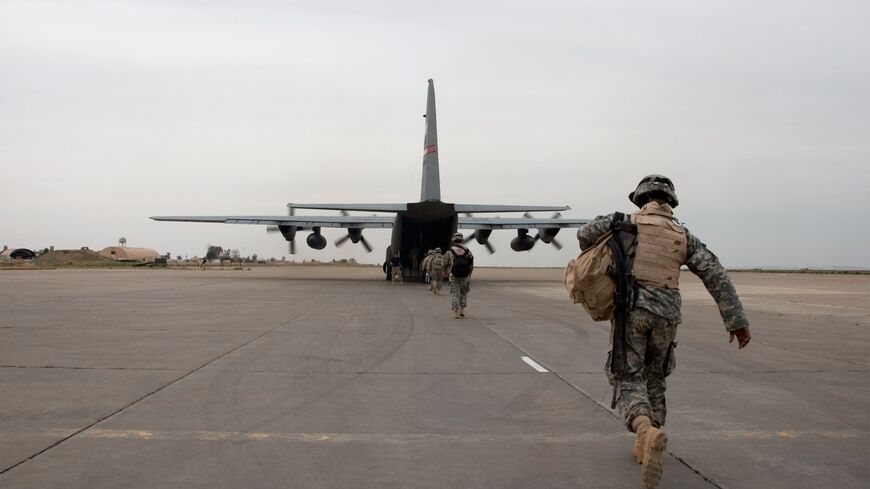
(359, 373)
(164, 386)
(65, 367)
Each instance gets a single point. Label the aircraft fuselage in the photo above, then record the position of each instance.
(424, 226)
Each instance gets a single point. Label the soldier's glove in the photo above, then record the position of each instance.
(742, 336)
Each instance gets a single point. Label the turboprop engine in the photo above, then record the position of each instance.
(289, 233)
(355, 236)
(482, 237)
(523, 242)
(316, 240)
(548, 235)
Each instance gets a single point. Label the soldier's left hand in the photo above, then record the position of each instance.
(742, 336)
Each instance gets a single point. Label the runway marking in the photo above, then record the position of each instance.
(218, 436)
(535, 365)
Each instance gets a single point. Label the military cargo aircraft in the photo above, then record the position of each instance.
(417, 226)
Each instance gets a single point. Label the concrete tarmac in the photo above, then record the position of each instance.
(328, 377)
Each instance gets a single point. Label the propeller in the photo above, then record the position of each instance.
(355, 236)
(481, 236)
(548, 235)
(289, 232)
(489, 247)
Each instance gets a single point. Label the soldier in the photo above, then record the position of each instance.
(460, 263)
(424, 267)
(396, 270)
(654, 258)
(436, 271)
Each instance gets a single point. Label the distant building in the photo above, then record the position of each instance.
(129, 254)
(16, 254)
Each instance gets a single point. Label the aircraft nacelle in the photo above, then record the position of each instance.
(547, 234)
(523, 242)
(289, 232)
(482, 235)
(355, 234)
(316, 240)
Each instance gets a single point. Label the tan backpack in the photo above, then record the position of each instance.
(588, 281)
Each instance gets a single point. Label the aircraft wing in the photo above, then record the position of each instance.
(518, 223)
(305, 222)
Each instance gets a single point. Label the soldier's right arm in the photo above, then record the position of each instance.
(589, 233)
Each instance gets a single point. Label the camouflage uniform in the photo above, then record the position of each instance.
(436, 273)
(459, 286)
(424, 267)
(651, 326)
(396, 268)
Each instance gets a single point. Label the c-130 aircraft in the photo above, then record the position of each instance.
(417, 226)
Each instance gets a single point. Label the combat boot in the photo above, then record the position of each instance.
(456, 314)
(653, 442)
(640, 425)
(462, 311)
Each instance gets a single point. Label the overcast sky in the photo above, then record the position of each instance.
(114, 111)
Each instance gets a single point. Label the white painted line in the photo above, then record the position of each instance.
(535, 365)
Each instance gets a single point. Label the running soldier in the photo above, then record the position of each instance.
(436, 271)
(654, 257)
(460, 263)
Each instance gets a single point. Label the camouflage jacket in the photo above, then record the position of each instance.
(424, 265)
(436, 263)
(700, 261)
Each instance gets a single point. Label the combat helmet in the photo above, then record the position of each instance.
(457, 238)
(654, 186)
(438, 250)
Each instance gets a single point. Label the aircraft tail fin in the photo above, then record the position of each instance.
(431, 188)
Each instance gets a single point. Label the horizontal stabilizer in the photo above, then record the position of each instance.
(472, 208)
(353, 207)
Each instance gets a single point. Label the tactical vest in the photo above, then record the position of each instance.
(661, 246)
(437, 263)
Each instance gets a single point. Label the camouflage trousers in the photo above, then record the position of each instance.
(436, 279)
(650, 358)
(459, 288)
